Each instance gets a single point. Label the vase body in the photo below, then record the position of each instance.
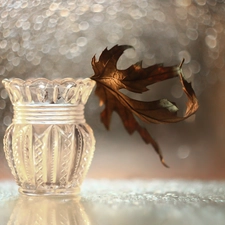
(49, 146)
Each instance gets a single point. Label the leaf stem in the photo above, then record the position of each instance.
(182, 62)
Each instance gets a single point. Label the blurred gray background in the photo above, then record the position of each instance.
(53, 39)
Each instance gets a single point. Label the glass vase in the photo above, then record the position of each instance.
(49, 146)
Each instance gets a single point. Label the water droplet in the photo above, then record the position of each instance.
(24, 5)
(7, 120)
(75, 28)
(69, 55)
(39, 19)
(4, 94)
(4, 14)
(194, 66)
(130, 53)
(37, 26)
(54, 6)
(159, 16)
(136, 13)
(81, 41)
(2, 104)
(48, 13)
(24, 17)
(183, 3)
(19, 24)
(185, 55)
(36, 3)
(74, 48)
(192, 34)
(181, 13)
(36, 61)
(45, 48)
(3, 44)
(100, 1)
(26, 25)
(212, 2)
(30, 56)
(6, 24)
(73, 17)
(6, 33)
(2, 70)
(83, 25)
(21, 52)
(97, 8)
(201, 2)
(127, 24)
(111, 11)
(187, 72)
(212, 32)
(10, 56)
(210, 41)
(183, 151)
(16, 61)
(9, 66)
(70, 2)
(13, 13)
(97, 18)
(64, 12)
(15, 46)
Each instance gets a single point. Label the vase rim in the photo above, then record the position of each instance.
(58, 81)
(45, 91)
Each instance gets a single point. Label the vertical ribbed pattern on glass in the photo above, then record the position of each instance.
(9, 152)
(56, 157)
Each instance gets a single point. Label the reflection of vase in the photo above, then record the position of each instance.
(49, 146)
(48, 210)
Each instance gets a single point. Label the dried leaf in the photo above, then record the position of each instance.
(110, 80)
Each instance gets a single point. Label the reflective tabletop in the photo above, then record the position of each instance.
(119, 202)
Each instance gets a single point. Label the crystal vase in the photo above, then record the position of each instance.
(49, 146)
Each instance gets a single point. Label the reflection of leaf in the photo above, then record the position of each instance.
(136, 79)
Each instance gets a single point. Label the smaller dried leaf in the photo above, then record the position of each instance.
(136, 79)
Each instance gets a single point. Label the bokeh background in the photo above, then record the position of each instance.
(58, 38)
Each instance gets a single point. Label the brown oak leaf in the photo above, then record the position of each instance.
(111, 80)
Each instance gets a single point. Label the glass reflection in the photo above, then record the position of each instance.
(48, 210)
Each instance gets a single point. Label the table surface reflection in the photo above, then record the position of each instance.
(120, 202)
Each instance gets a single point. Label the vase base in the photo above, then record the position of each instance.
(51, 192)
